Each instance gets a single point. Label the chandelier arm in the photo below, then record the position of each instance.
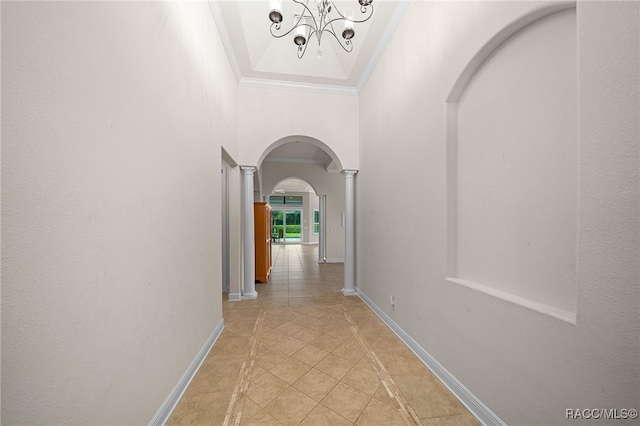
(340, 42)
(291, 29)
(330, 23)
(304, 4)
(363, 10)
(297, 24)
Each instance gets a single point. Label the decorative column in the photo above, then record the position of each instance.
(322, 251)
(349, 233)
(249, 290)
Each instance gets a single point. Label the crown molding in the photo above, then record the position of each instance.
(294, 85)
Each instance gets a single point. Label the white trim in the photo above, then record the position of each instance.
(293, 160)
(234, 297)
(468, 399)
(394, 20)
(334, 261)
(224, 36)
(169, 404)
(545, 9)
(294, 85)
(552, 311)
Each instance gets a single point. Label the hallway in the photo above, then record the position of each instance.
(302, 353)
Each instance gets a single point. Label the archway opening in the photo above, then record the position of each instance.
(295, 212)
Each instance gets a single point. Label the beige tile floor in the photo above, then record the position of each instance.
(303, 354)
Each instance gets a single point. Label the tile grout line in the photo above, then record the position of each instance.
(234, 410)
(405, 409)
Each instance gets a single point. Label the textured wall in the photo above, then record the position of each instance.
(527, 366)
(113, 116)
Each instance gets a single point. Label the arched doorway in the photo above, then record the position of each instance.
(295, 212)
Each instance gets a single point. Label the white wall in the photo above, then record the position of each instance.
(527, 365)
(329, 184)
(329, 118)
(113, 117)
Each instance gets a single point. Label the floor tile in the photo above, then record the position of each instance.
(382, 395)
(363, 379)
(270, 357)
(346, 401)
(295, 350)
(428, 397)
(291, 406)
(335, 366)
(310, 355)
(262, 418)
(322, 416)
(315, 384)
(290, 370)
(307, 335)
(289, 328)
(378, 413)
(272, 337)
(266, 389)
(350, 349)
(458, 420)
(328, 342)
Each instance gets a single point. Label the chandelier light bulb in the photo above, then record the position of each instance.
(300, 35)
(275, 11)
(348, 31)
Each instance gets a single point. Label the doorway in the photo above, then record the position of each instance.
(287, 226)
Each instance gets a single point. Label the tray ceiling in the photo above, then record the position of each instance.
(259, 59)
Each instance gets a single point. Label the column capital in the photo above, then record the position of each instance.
(349, 173)
(248, 169)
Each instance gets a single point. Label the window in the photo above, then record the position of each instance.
(316, 221)
(289, 199)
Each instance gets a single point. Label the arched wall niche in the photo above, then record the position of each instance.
(512, 149)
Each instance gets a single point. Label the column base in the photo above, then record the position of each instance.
(235, 297)
(249, 296)
(349, 292)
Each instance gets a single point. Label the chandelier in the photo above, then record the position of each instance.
(307, 23)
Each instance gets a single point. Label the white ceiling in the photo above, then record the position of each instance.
(298, 152)
(259, 59)
(292, 185)
(302, 152)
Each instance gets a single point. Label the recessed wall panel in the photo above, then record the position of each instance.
(516, 167)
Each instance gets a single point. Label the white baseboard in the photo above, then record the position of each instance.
(334, 261)
(234, 297)
(176, 393)
(468, 399)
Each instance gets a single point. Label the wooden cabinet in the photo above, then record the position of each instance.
(262, 232)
